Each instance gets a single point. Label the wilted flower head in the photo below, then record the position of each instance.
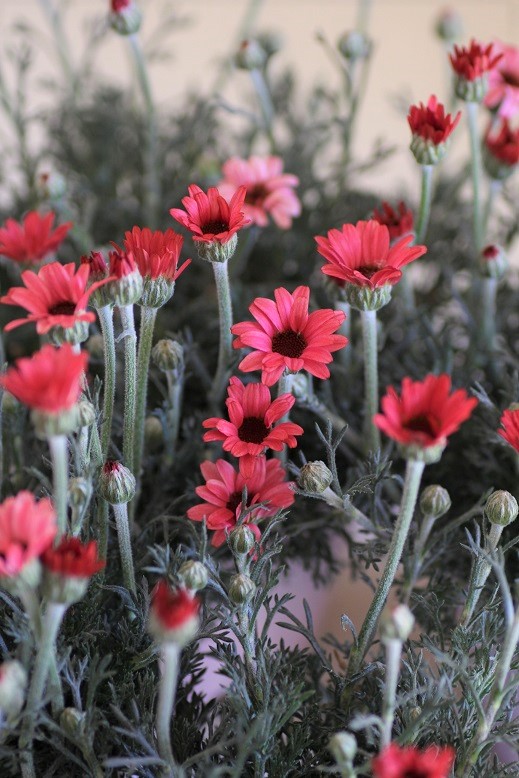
(33, 239)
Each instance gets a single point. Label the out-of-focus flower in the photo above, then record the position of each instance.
(399, 220)
(493, 262)
(68, 569)
(424, 415)
(286, 337)
(125, 16)
(501, 150)
(250, 55)
(471, 65)
(126, 285)
(252, 427)
(30, 241)
(269, 191)
(510, 427)
(431, 128)
(449, 25)
(27, 527)
(173, 614)
(223, 493)
(503, 82)
(398, 762)
(157, 255)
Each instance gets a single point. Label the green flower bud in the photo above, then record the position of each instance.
(435, 501)
(156, 291)
(242, 540)
(13, 684)
(493, 262)
(116, 483)
(396, 623)
(125, 17)
(194, 575)
(501, 508)
(51, 186)
(314, 477)
(250, 56)
(362, 298)
(86, 413)
(72, 721)
(472, 91)
(241, 589)
(47, 425)
(449, 26)
(343, 747)
(270, 41)
(168, 355)
(354, 45)
(79, 491)
(216, 251)
(74, 335)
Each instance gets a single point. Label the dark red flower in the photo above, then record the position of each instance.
(173, 609)
(426, 412)
(510, 427)
(430, 121)
(209, 217)
(73, 559)
(119, 5)
(473, 62)
(156, 253)
(503, 143)
(399, 221)
(97, 266)
(409, 762)
(122, 263)
(33, 239)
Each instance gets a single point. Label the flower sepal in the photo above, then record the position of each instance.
(216, 251)
(430, 454)
(471, 91)
(74, 335)
(125, 17)
(426, 152)
(156, 291)
(48, 425)
(362, 298)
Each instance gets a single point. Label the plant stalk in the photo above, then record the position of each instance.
(424, 212)
(148, 316)
(369, 339)
(130, 383)
(225, 352)
(106, 321)
(170, 655)
(125, 545)
(58, 446)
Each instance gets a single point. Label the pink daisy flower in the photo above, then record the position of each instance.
(286, 337)
(27, 528)
(223, 490)
(269, 191)
(503, 82)
(33, 239)
(209, 217)
(252, 427)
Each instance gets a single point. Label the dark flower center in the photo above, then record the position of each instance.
(368, 270)
(510, 78)
(214, 228)
(415, 772)
(234, 502)
(422, 423)
(253, 430)
(65, 308)
(255, 195)
(289, 344)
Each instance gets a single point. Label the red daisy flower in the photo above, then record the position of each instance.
(286, 336)
(426, 413)
(269, 190)
(33, 239)
(223, 491)
(399, 221)
(252, 427)
(361, 254)
(122, 263)
(409, 762)
(27, 528)
(156, 253)
(55, 296)
(49, 381)
(510, 427)
(473, 62)
(73, 559)
(173, 614)
(430, 122)
(503, 144)
(210, 218)
(503, 82)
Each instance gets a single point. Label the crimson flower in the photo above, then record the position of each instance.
(473, 62)
(510, 427)
(430, 122)
(399, 221)
(173, 614)
(252, 427)
(209, 217)
(503, 83)
(156, 253)
(426, 412)
(73, 559)
(503, 144)
(223, 491)
(122, 263)
(33, 239)
(361, 255)
(55, 296)
(286, 336)
(409, 762)
(27, 528)
(49, 381)
(269, 191)
(119, 5)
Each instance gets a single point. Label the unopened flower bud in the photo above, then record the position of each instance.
(250, 55)
(13, 683)
(314, 477)
(449, 26)
(168, 355)
(95, 347)
(241, 589)
(153, 434)
(125, 17)
(354, 45)
(501, 508)
(396, 623)
(86, 413)
(242, 540)
(194, 575)
(79, 490)
(493, 262)
(343, 747)
(270, 41)
(116, 483)
(51, 185)
(435, 501)
(72, 721)
(415, 713)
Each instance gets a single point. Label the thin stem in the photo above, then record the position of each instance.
(493, 191)
(475, 150)
(50, 628)
(125, 545)
(265, 102)
(175, 393)
(418, 556)
(413, 476)
(148, 316)
(488, 314)
(152, 177)
(369, 338)
(223, 291)
(393, 653)
(102, 510)
(479, 574)
(58, 446)
(424, 211)
(170, 654)
(344, 355)
(363, 12)
(130, 383)
(62, 47)
(106, 321)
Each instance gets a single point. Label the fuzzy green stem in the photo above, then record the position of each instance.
(475, 150)
(225, 352)
(170, 655)
(488, 314)
(148, 316)
(175, 393)
(58, 446)
(265, 103)
(106, 321)
(152, 177)
(125, 545)
(50, 628)
(130, 383)
(479, 574)
(417, 560)
(493, 191)
(102, 511)
(413, 476)
(393, 653)
(344, 355)
(54, 16)
(424, 211)
(369, 339)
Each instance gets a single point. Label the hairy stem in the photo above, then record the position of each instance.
(170, 655)
(369, 339)
(223, 291)
(393, 653)
(475, 151)
(148, 316)
(424, 211)
(58, 446)
(130, 383)
(107, 328)
(125, 545)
